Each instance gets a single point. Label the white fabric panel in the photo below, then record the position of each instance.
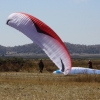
(51, 46)
(79, 70)
(82, 70)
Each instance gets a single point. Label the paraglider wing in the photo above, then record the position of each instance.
(44, 36)
(80, 70)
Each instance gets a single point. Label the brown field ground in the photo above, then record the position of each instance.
(47, 86)
(28, 84)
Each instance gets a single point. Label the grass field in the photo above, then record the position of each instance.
(20, 80)
(47, 86)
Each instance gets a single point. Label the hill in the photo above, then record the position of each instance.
(35, 49)
(2, 50)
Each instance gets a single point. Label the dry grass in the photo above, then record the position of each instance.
(47, 86)
(28, 84)
(31, 65)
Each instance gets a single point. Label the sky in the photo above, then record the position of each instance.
(75, 21)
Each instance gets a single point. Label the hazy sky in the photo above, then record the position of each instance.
(75, 21)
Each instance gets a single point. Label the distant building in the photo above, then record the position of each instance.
(10, 53)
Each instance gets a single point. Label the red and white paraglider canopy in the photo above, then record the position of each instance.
(44, 36)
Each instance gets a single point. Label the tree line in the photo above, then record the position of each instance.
(34, 48)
